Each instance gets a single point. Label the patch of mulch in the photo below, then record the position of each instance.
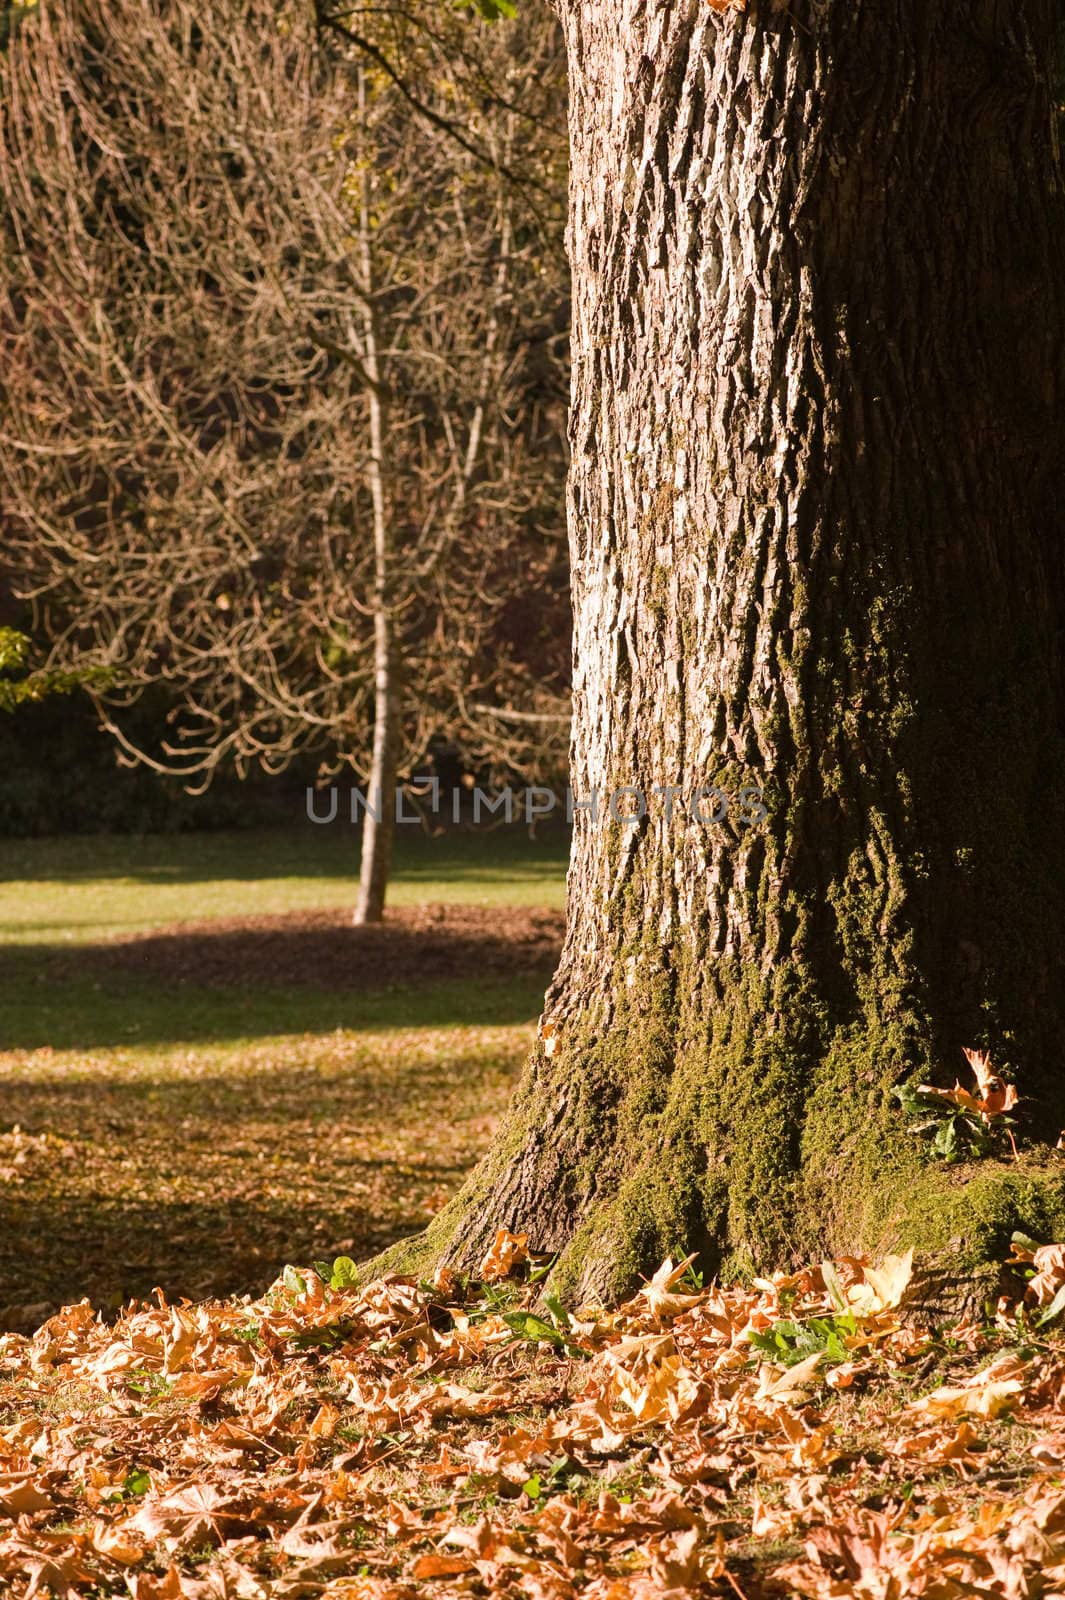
(322, 950)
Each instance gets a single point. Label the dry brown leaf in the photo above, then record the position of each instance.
(885, 1285)
(658, 1291)
(996, 1096)
(843, 1375)
(791, 1383)
(775, 1522)
(507, 1251)
(673, 1396)
(197, 1513)
(993, 1095)
(441, 1566)
(444, 1281)
(989, 1086)
(1049, 1262)
(986, 1394)
(20, 1493)
(202, 1385)
(170, 1587)
(548, 1034)
(113, 1540)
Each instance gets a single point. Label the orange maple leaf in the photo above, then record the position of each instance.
(508, 1249)
(993, 1097)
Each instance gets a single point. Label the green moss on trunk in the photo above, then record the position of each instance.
(817, 514)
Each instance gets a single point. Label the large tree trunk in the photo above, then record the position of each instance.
(817, 508)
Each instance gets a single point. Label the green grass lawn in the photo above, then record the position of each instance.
(84, 888)
(199, 1137)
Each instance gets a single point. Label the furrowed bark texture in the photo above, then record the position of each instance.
(816, 521)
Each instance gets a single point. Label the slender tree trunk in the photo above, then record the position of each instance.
(379, 820)
(817, 507)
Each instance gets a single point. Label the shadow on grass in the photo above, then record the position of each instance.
(79, 1014)
(63, 1248)
(279, 1088)
(300, 972)
(337, 1093)
(303, 851)
(206, 1176)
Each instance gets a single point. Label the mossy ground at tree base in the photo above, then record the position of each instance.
(735, 1117)
(959, 1221)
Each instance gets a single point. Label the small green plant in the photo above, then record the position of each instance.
(564, 1474)
(960, 1130)
(540, 1270)
(528, 1326)
(325, 1337)
(149, 1385)
(494, 1300)
(957, 1135)
(788, 1342)
(792, 1340)
(343, 1274)
(136, 1483)
(690, 1279)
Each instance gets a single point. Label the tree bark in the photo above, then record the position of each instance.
(817, 507)
(379, 817)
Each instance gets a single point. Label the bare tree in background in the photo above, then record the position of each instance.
(282, 371)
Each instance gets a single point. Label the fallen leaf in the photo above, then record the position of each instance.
(507, 1251)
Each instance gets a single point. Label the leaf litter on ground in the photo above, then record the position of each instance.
(464, 1437)
(203, 1168)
